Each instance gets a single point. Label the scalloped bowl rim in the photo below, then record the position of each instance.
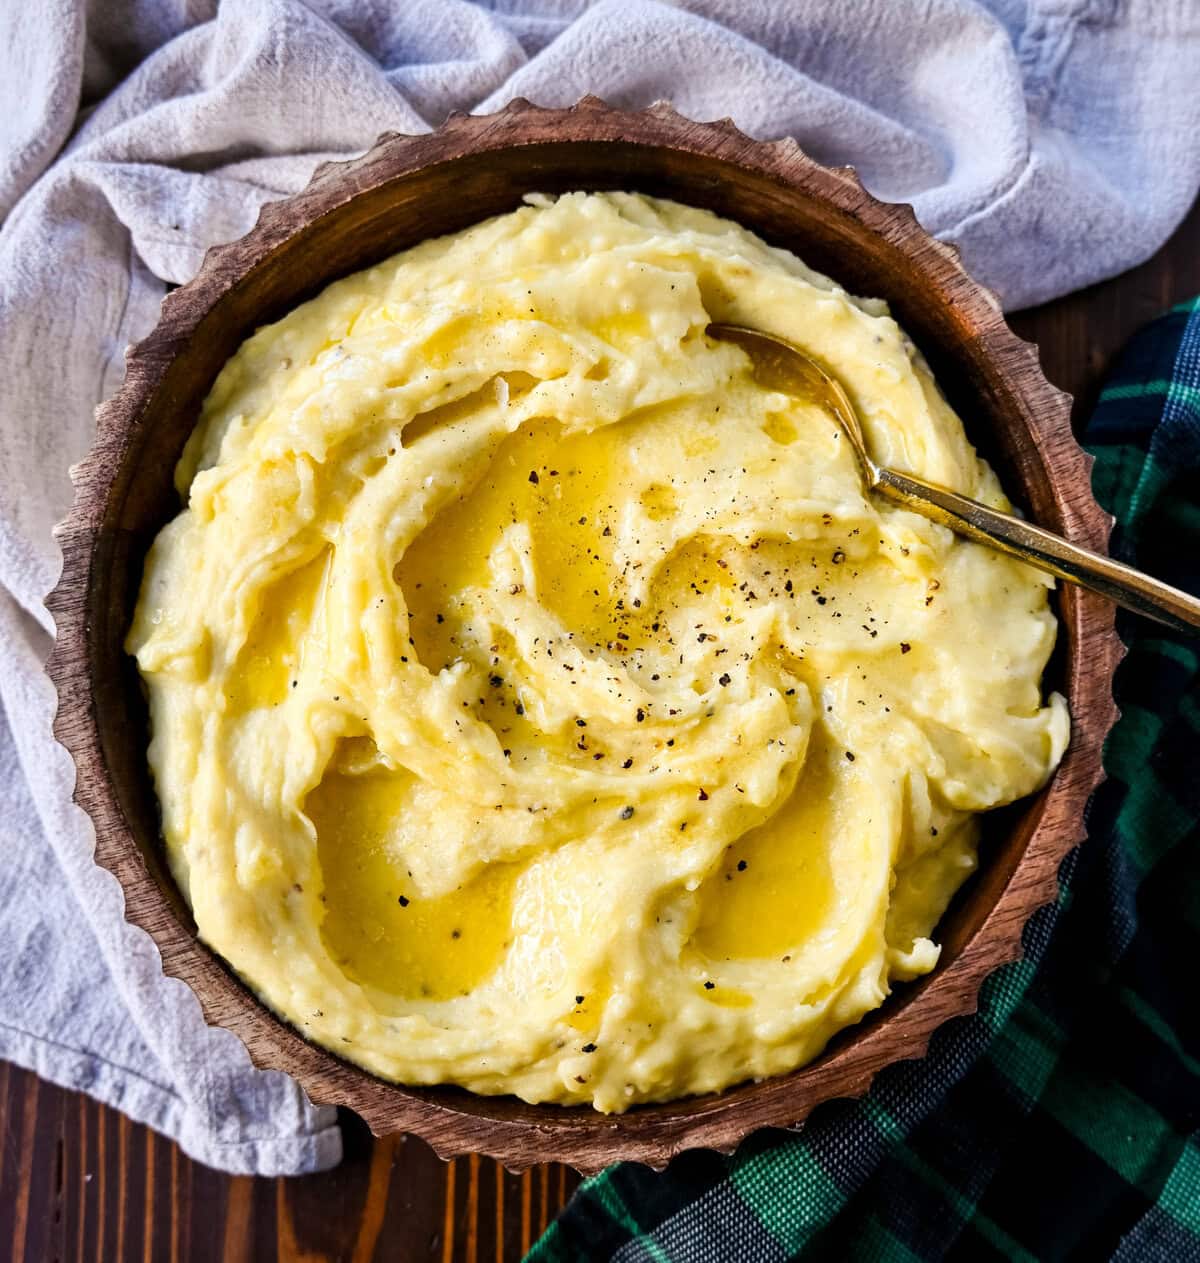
(454, 1122)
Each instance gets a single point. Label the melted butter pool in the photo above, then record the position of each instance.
(377, 925)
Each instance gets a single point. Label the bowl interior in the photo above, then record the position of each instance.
(442, 197)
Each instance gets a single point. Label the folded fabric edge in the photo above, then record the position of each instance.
(146, 1102)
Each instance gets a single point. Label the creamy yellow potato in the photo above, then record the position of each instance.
(539, 703)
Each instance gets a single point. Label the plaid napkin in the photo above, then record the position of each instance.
(1061, 1120)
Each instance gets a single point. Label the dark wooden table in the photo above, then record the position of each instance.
(79, 1181)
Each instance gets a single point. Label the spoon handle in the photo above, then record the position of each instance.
(1043, 549)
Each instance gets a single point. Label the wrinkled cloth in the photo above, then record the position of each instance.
(1062, 1120)
(1057, 141)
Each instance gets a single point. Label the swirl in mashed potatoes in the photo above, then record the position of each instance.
(539, 703)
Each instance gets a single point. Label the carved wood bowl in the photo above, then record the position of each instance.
(412, 187)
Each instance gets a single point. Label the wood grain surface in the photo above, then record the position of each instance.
(404, 190)
(80, 1182)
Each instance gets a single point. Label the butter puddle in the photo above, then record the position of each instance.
(569, 490)
(773, 890)
(565, 489)
(273, 651)
(377, 926)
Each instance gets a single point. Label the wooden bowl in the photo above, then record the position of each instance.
(411, 187)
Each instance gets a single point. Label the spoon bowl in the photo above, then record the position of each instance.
(778, 365)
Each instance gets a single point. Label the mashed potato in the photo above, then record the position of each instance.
(538, 703)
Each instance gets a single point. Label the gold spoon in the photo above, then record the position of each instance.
(781, 366)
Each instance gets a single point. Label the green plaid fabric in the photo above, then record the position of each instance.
(1063, 1120)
